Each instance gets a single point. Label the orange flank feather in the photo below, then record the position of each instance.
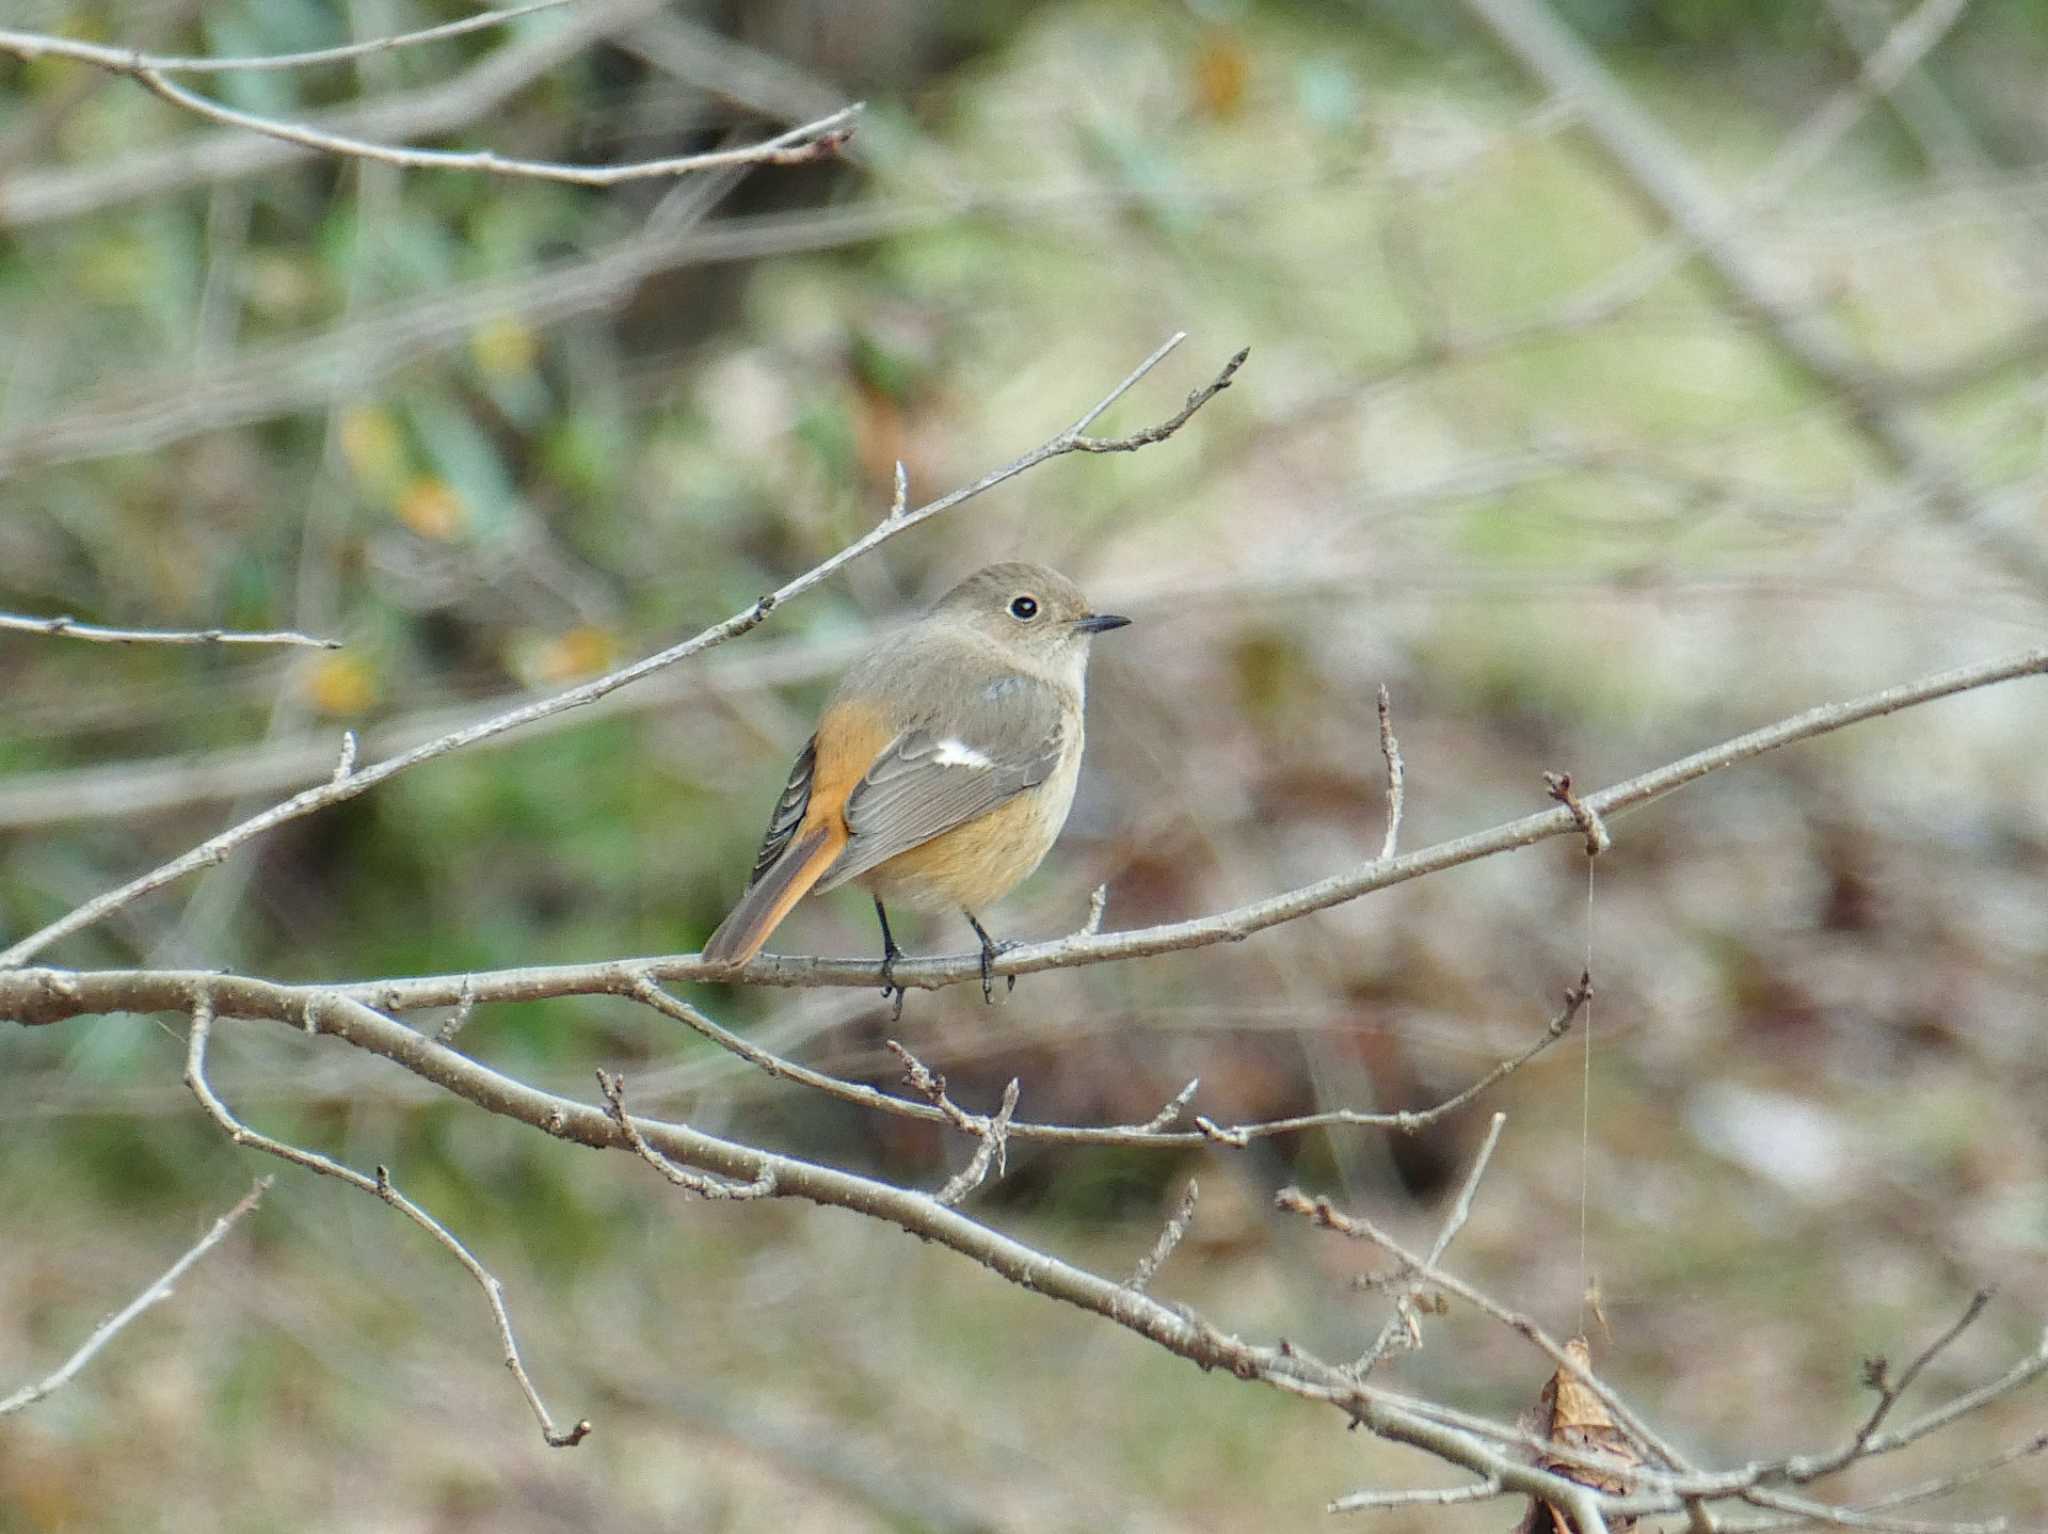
(768, 899)
(849, 739)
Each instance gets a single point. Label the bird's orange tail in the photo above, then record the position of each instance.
(768, 899)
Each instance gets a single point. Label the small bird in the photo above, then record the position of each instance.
(942, 768)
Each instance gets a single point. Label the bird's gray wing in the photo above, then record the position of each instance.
(788, 813)
(936, 776)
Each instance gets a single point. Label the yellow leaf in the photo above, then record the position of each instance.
(505, 347)
(372, 446)
(582, 651)
(1222, 69)
(341, 685)
(431, 508)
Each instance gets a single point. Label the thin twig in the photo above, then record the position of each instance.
(1810, 1468)
(157, 1292)
(1169, 1237)
(1851, 1518)
(1889, 1390)
(71, 628)
(1397, 775)
(216, 848)
(1098, 907)
(613, 1087)
(121, 60)
(1438, 1496)
(938, 1109)
(991, 1132)
(1146, 436)
(202, 1014)
(992, 1150)
(1360, 1228)
(456, 1021)
(1174, 1108)
(1402, 1322)
(1584, 816)
(800, 145)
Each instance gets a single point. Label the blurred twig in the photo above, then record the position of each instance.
(159, 1291)
(123, 61)
(71, 628)
(47, 196)
(1652, 165)
(800, 145)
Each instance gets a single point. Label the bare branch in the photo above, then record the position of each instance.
(1360, 1228)
(216, 848)
(614, 1089)
(44, 995)
(120, 790)
(202, 1013)
(1889, 1390)
(1075, 442)
(1583, 816)
(1397, 775)
(1098, 907)
(1489, 1450)
(1175, 1106)
(120, 61)
(992, 1132)
(1444, 1496)
(937, 1109)
(2022, 1373)
(1170, 1237)
(71, 628)
(157, 1292)
(800, 145)
(1402, 1322)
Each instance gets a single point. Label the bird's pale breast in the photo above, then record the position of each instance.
(974, 865)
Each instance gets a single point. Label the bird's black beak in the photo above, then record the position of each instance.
(1100, 623)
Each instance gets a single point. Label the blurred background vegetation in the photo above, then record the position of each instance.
(499, 435)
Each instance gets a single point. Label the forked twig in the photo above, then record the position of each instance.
(1402, 1322)
(381, 1186)
(613, 1087)
(157, 1292)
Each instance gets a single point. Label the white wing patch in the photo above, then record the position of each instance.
(957, 753)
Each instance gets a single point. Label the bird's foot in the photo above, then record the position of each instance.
(991, 950)
(890, 989)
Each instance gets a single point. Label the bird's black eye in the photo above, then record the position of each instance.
(1024, 609)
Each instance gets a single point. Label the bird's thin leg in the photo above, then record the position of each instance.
(989, 949)
(890, 954)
